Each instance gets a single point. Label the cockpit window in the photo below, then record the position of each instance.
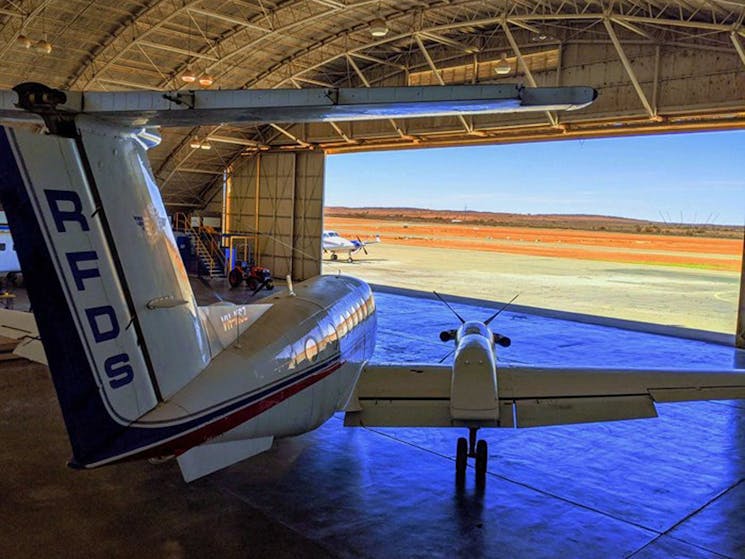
(475, 328)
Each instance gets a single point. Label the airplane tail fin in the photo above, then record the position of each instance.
(113, 303)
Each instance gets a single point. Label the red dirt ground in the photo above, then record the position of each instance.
(694, 252)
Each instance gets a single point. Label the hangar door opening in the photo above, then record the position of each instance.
(645, 229)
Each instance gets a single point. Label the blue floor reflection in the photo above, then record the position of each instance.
(667, 487)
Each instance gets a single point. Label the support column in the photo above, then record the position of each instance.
(740, 330)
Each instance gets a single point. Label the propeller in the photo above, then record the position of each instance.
(362, 245)
(496, 314)
(451, 309)
(448, 335)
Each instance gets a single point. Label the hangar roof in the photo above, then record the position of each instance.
(659, 65)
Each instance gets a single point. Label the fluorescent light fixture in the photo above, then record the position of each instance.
(23, 41)
(43, 46)
(206, 80)
(378, 27)
(503, 67)
(188, 76)
(195, 143)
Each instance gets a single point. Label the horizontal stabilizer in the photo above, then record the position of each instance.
(210, 457)
(20, 325)
(17, 324)
(32, 350)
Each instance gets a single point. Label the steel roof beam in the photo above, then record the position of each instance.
(366, 83)
(738, 46)
(528, 74)
(467, 126)
(629, 70)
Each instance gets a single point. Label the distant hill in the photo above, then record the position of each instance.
(548, 221)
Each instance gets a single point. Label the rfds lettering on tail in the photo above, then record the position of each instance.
(75, 237)
(142, 371)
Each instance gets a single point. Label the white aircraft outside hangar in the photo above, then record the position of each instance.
(142, 371)
(335, 244)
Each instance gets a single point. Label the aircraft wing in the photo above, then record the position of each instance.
(419, 395)
(32, 102)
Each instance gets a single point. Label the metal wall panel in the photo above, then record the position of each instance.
(285, 222)
(309, 197)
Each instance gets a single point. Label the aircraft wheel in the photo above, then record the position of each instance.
(252, 284)
(334, 256)
(269, 285)
(350, 260)
(481, 459)
(235, 277)
(461, 455)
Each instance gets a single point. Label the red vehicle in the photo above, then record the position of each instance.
(256, 277)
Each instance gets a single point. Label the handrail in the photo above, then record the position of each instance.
(210, 245)
(181, 221)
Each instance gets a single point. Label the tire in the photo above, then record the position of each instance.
(482, 456)
(269, 285)
(461, 457)
(235, 277)
(334, 256)
(251, 283)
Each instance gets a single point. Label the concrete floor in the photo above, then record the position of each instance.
(667, 487)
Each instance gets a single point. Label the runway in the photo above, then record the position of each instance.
(666, 295)
(667, 487)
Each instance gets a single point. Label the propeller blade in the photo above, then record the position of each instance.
(448, 306)
(496, 314)
(448, 355)
(362, 245)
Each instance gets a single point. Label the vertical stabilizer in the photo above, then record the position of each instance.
(114, 307)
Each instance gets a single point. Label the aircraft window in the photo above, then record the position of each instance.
(475, 329)
(311, 349)
(359, 313)
(350, 322)
(370, 304)
(329, 333)
(342, 328)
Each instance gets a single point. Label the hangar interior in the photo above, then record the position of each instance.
(670, 66)
(660, 66)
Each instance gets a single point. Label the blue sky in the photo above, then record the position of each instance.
(694, 178)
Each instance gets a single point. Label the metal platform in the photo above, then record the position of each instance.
(667, 487)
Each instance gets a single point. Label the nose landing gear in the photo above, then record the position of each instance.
(471, 449)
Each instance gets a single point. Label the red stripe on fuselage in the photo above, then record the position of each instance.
(182, 444)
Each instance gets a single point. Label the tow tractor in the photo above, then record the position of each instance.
(256, 277)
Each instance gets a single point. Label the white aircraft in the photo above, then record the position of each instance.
(141, 371)
(9, 265)
(333, 243)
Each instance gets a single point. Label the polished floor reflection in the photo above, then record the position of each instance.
(667, 487)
